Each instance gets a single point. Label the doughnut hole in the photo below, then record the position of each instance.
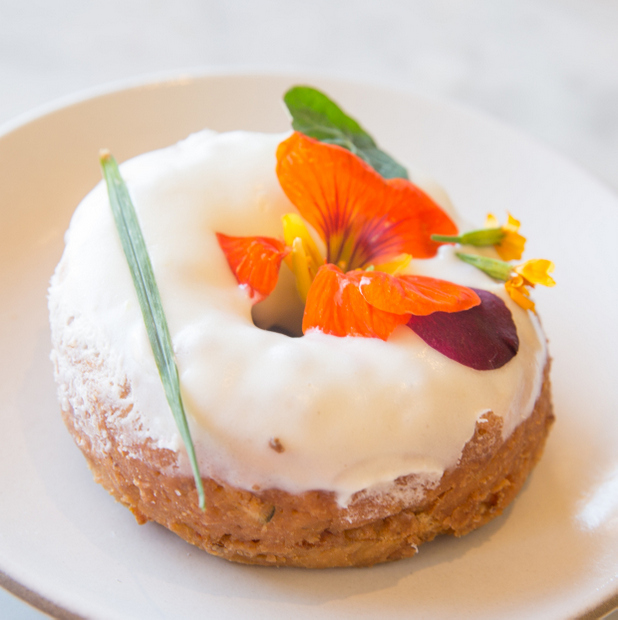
(282, 311)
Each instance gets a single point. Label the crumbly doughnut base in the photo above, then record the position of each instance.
(275, 528)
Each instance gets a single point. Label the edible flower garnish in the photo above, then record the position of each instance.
(370, 227)
(532, 272)
(506, 239)
(511, 246)
(255, 261)
(516, 278)
(359, 225)
(483, 338)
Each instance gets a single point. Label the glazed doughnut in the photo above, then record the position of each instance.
(316, 450)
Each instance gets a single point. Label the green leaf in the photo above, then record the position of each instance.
(493, 267)
(317, 116)
(150, 303)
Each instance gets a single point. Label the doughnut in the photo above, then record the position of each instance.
(314, 450)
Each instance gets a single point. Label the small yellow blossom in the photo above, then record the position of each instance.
(516, 288)
(532, 272)
(511, 247)
(536, 271)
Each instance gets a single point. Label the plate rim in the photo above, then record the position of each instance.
(36, 600)
(172, 77)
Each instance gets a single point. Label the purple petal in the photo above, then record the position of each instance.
(484, 337)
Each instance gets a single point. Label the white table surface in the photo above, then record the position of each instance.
(547, 67)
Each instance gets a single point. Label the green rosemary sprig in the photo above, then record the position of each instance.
(150, 302)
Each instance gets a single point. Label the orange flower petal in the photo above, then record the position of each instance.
(335, 306)
(255, 262)
(417, 295)
(362, 217)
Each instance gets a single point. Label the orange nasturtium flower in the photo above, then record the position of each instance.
(370, 226)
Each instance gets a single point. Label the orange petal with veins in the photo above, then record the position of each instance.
(335, 306)
(255, 262)
(417, 295)
(362, 217)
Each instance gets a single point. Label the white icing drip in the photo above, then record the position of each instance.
(351, 413)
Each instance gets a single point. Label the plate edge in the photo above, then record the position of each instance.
(36, 600)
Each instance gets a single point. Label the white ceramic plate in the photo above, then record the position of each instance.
(66, 545)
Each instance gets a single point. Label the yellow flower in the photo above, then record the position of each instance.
(536, 271)
(532, 272)
(518, 292)
(516, 278)
(511, 247)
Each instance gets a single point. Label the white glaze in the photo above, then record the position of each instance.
(351, 413)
